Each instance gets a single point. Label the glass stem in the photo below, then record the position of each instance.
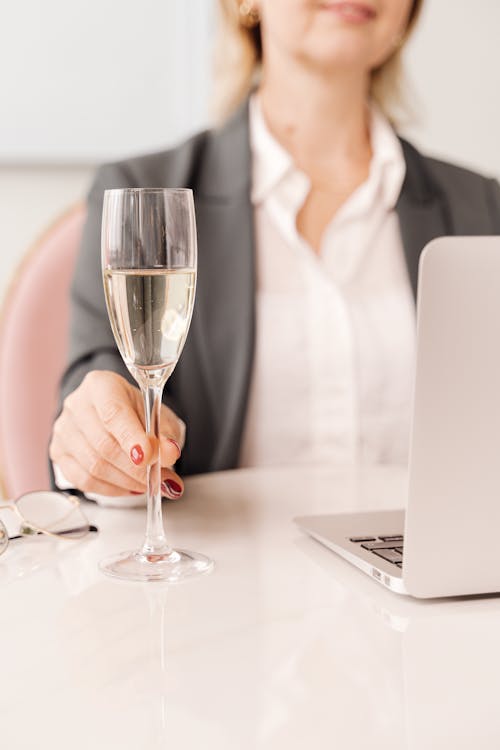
(155, 542)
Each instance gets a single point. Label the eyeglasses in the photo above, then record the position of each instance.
(53, 513)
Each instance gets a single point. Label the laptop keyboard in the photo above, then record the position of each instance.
(389, 547)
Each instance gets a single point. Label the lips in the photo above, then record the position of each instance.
(354, 12)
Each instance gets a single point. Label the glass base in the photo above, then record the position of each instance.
(174, 567)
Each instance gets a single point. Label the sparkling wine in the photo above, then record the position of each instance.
(149, 259)
(150, 312)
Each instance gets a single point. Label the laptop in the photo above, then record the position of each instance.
(447, 542)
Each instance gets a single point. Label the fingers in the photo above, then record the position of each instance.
(107, 447)
(100, 444)
(172, 485)
(172, 436)
(169, 451)
(78, 476)
(86, 438)
(117, 411)
(97, 454)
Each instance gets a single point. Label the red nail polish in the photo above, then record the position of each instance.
(137, 454)
(171, 489)
(174, 486)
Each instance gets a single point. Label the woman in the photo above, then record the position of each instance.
(311, 216)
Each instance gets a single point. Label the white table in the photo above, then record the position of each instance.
(283, 646)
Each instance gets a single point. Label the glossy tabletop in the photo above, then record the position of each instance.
(284, 645)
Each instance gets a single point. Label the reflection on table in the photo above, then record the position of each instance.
(283, 646)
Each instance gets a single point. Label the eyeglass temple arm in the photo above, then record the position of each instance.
(59, 533)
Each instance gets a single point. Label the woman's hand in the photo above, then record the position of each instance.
(100, 444)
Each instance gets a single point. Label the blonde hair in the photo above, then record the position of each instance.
(238, 58)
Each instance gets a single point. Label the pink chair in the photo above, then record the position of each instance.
(33, 334)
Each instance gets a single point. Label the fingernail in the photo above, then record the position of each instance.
(174, 442)
(137, 454)
(136, 493)
(171, 489)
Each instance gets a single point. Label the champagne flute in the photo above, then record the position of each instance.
(149, 259)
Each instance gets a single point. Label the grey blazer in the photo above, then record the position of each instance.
(209, 388)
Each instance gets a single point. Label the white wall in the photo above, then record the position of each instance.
(91, 80)
(453, 61)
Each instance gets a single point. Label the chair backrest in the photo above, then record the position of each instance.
(33, 334)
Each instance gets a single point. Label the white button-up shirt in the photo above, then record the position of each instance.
(335, 345)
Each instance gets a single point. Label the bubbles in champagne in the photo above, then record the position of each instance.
(150, 312)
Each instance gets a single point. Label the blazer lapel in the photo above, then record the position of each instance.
(422, 211)
(225, 306)
(225, 331)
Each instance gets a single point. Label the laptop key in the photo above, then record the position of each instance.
(362, 538)
(389, 554)
(391, 538)
(380, 545)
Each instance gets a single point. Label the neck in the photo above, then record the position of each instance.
(317, 117)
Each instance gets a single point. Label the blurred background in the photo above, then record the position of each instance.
(88, 81)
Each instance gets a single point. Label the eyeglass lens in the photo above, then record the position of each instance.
(54, 512)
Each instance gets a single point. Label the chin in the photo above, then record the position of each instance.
(340, 56)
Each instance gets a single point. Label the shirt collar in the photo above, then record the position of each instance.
(272, 163)
(388, 165)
